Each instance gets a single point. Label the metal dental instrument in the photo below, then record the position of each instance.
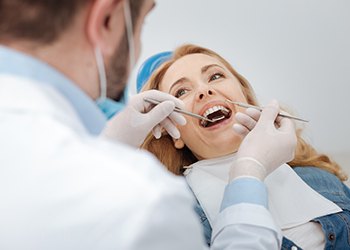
(246, 105)
(155, 102)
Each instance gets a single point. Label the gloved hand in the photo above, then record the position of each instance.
(139, 118)
(270, 142)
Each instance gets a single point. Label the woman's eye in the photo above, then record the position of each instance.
(215, 76)
(180, 92)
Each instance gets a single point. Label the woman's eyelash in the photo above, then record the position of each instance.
(180, 92)
(212, 77)
(216, 76)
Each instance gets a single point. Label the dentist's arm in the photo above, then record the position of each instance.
(244, 221)
(139, 117)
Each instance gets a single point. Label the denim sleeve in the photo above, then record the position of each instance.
(244, 190)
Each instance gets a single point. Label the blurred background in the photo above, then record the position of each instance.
(295, 51)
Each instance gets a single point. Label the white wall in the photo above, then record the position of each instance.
(296, 51)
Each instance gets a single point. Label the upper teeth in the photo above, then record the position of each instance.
(214, 109)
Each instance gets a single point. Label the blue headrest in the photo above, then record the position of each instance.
(149, 66)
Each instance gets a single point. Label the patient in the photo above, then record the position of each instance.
(203, 80)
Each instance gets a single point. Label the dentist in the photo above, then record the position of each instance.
(67, 180)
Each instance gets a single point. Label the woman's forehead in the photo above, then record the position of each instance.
(189, 65)
(191, 62)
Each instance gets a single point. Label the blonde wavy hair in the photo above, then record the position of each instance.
(174, 159)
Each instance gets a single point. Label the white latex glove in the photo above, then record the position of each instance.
(139, 118)
(270, 142)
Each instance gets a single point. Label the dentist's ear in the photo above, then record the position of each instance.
(178, 143)
(105, 25)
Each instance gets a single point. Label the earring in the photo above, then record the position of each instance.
(178, 143)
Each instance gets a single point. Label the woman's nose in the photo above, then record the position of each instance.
(205, 92)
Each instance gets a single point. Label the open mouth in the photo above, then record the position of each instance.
(217, 114)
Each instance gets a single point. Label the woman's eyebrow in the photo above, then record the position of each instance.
(206, 67)
(203, 70)
(182, 79)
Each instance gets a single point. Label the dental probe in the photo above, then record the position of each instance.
(155, 102)
(246, 105)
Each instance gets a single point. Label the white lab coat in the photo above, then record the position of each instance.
(62, 188)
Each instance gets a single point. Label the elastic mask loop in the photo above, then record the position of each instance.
(101, 74)
(130, 37)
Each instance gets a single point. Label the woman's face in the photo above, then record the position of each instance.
(203, 83)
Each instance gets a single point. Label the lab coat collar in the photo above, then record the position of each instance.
(291, 201)
(19, 64)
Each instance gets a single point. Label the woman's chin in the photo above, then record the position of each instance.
(216, 153)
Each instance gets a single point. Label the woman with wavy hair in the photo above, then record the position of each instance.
(204, 80)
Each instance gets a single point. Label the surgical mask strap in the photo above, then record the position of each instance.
(99, 57)
(101, 74)
(130, 36)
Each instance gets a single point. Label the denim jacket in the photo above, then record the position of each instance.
(335, 226)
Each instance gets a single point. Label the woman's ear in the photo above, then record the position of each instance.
(178, 143)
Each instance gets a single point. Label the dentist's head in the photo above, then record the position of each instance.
(91, 42)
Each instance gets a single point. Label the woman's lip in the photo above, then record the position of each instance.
(227, 117)
(220, 124)
(212, 104)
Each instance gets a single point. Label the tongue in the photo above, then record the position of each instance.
(216, 120)
(217, 115)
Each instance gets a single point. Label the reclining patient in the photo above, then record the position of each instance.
(307, 198)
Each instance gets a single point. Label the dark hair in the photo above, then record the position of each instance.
(37, 20)
(43, 20)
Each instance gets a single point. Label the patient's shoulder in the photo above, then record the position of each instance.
(325, 183)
